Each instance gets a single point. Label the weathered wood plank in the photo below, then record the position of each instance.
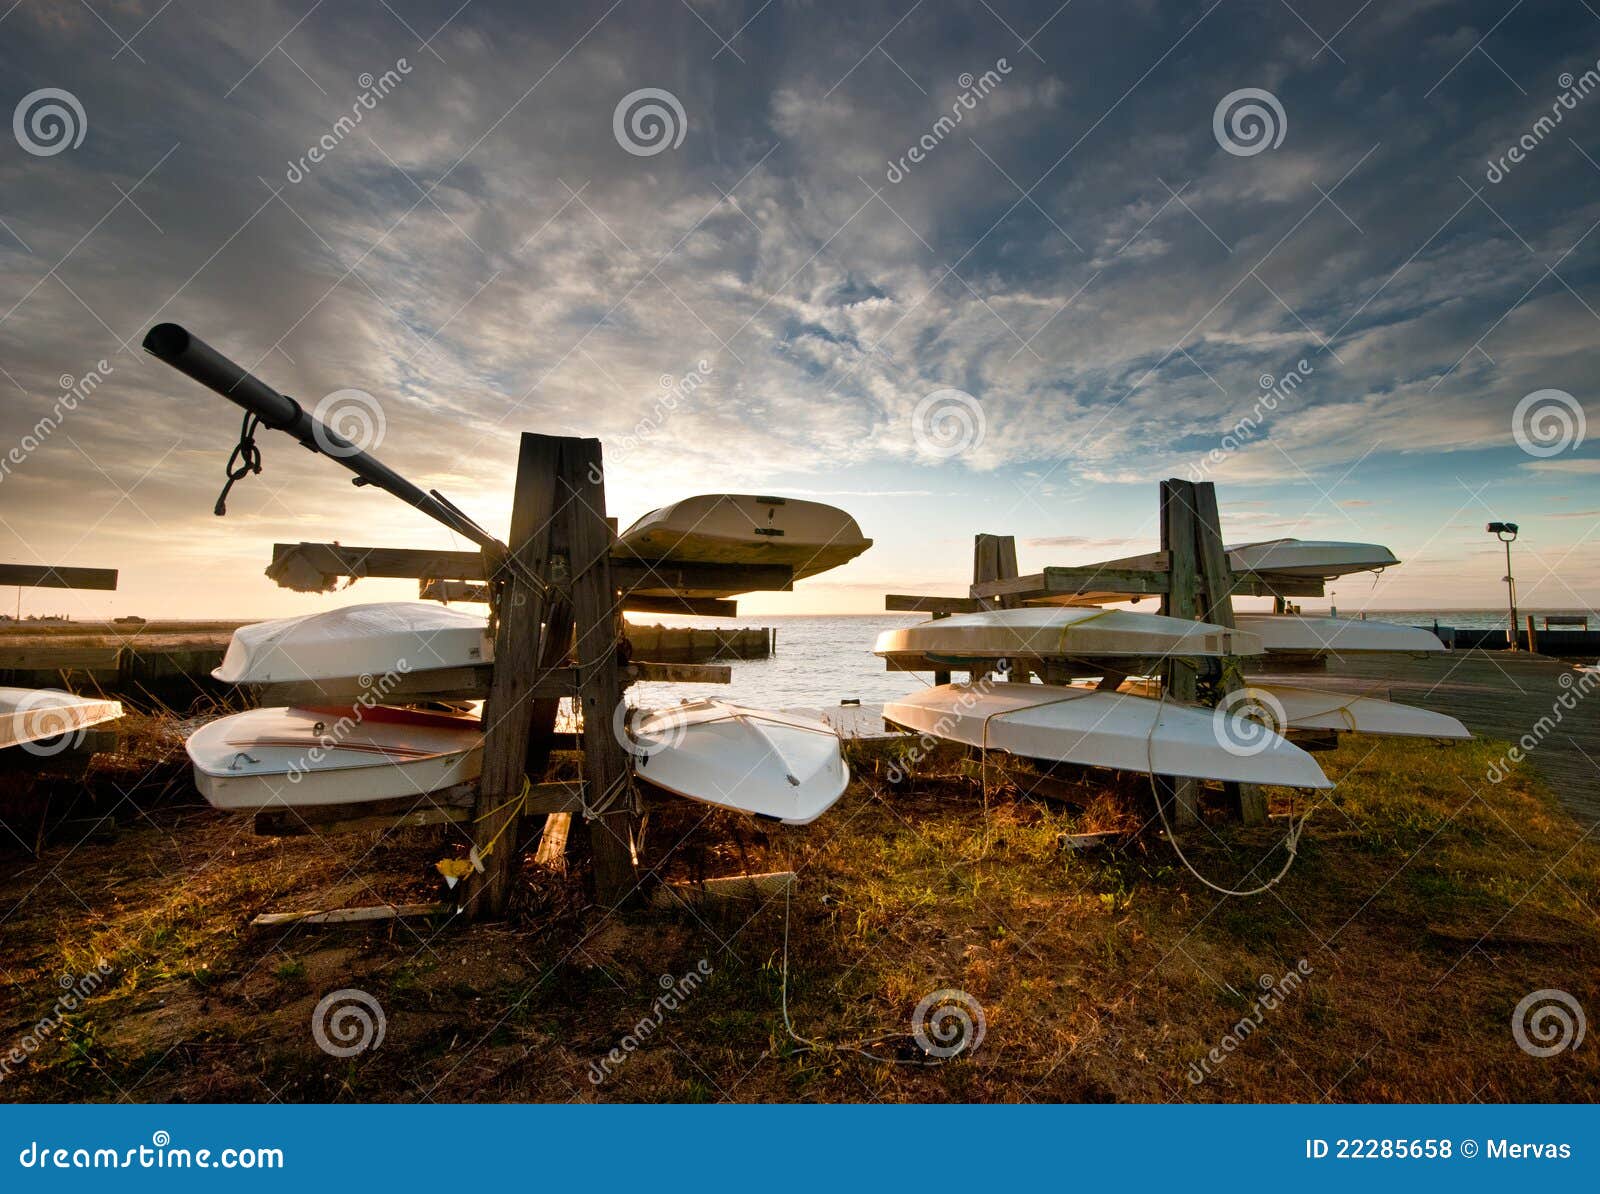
(473, 592)
(349, 916)
(1180, 601)
(1076, 581)
(47, 576)
(404, 563)
(904, 603)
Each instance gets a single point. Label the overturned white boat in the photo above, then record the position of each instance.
(46, 719)
(358, 640)
(291, 757)
(1106, 729)
(1298, 634)
(778, 766)
(1058, 632)
(739, 528)
(1312, 709)
(1323, 558)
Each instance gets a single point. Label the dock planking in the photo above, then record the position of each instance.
(1496, 694)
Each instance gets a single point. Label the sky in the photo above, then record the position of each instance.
(1338, 258)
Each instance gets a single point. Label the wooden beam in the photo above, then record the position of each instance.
(1180, 601)
(403, 563)
(904, 603)
(524, 605)
(597, 616)
(669, 578)
(469, 591)
(680, 673)
(1075, 581)
(44, 576)
(349, 916)
(700, 607)
(435, 684)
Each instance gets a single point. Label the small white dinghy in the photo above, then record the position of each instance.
(1310, 709)
(358, 640)
(739, 528)
(779, 766)
(1323, 558)
(45, 719)
(267, 758)
(1105, 729)
(1341, 636)
(1062, 632)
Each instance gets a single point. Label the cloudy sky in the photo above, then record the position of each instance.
(1016, 322)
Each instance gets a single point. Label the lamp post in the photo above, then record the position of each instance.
(1506, 532)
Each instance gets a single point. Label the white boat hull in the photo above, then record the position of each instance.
(1103, 729)
(42, 716)
(1302, 557)
(379, 638)
(737, 528)
(1310, 709)
(778, 766)
(1050, 632)
(288, 757)
(1297, 634)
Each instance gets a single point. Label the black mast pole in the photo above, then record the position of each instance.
(191, 355)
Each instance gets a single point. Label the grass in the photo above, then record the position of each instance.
(1423, 905)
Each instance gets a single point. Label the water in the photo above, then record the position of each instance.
(823, 659)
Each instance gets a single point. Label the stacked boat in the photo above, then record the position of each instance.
(44, 721)
(776, 766)
(1120, 723)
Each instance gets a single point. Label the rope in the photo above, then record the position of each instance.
(1291, 839)
(246, 459)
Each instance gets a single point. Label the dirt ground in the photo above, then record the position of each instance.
(1423, 906)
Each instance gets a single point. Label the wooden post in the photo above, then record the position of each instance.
(598, 616)
(994, 557)
(1216, 581)
(1180, 601)
(1533, 636)
(520, 607)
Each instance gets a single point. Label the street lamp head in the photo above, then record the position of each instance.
(1507, 531)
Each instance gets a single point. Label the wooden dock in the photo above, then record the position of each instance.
(1496, 694)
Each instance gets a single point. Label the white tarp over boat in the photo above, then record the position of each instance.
(1060, 632)
(1342, 636)
(357, 640)
(1311, 709)
(776, 765)
(1323, 558)
(42, 714)
(1106, 729)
